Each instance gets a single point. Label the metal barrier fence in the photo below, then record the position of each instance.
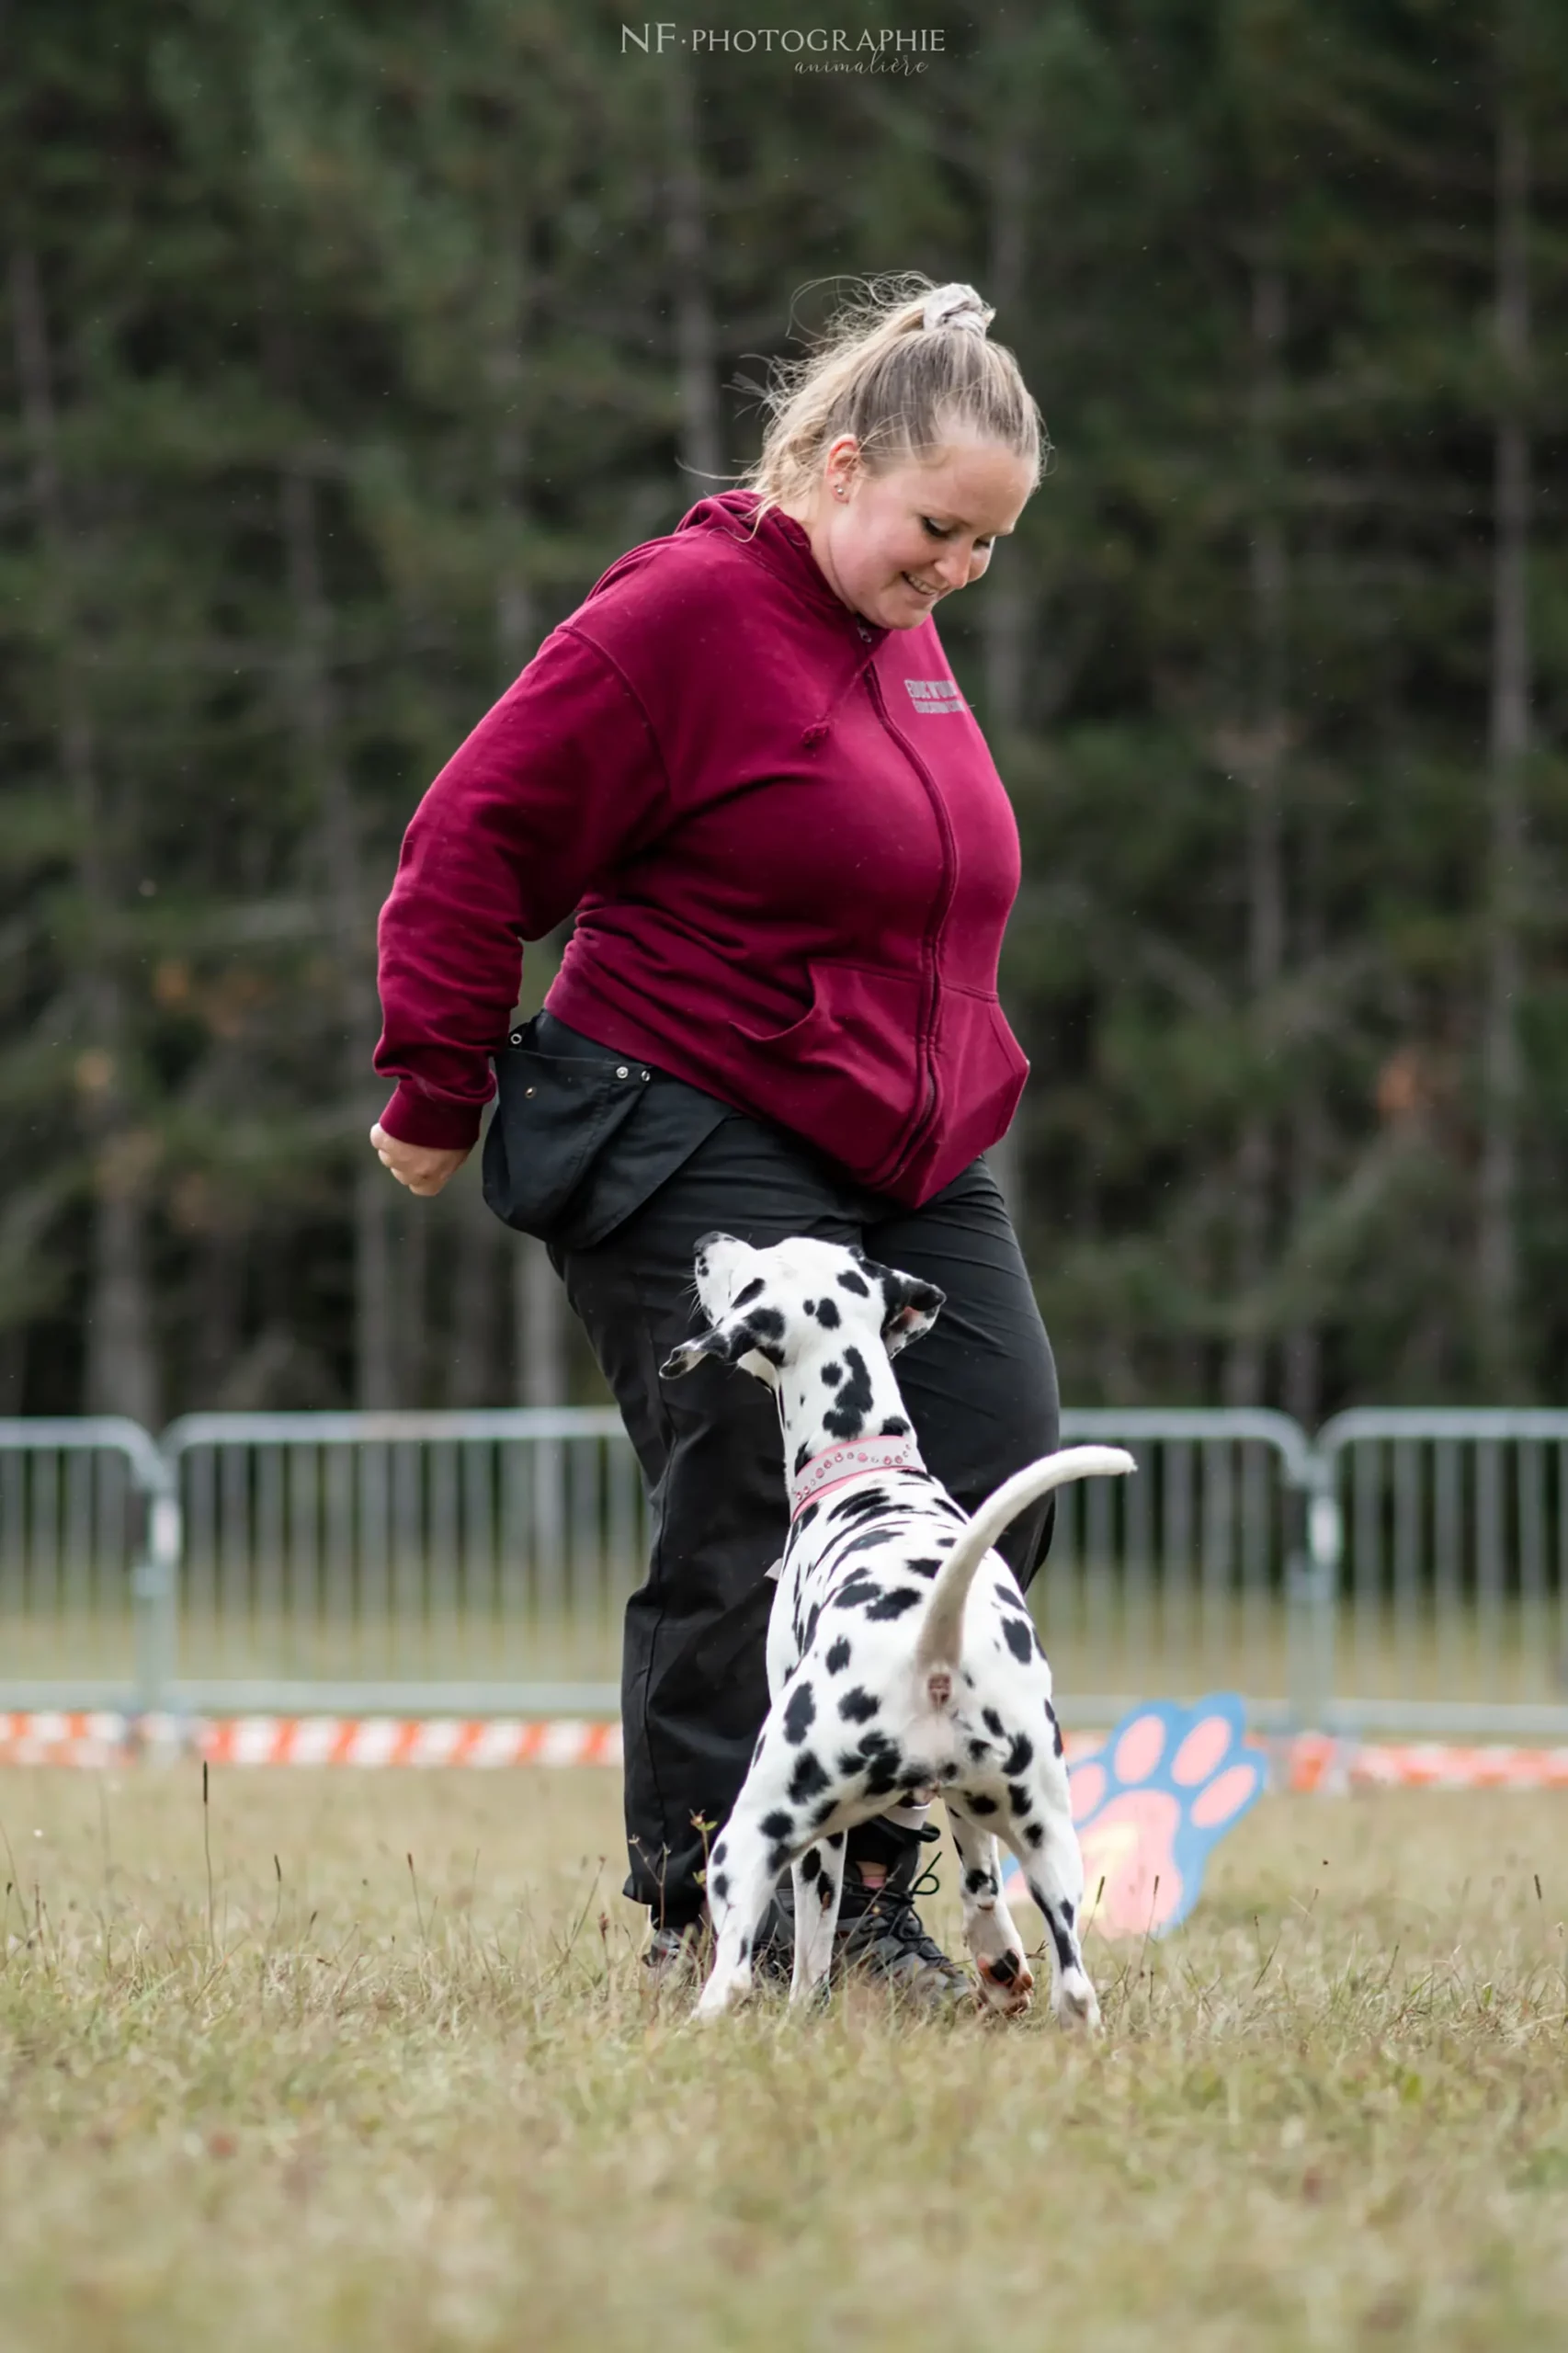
(457, 1563)
(89, 1553)
(1445, 1539)
(1405, 1571)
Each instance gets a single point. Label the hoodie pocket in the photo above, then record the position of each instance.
(847, 1073)
(981, 1070)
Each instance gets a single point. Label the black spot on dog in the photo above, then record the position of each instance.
(978, 1750)
(824, 1812)
(812, 1614)
(922, 1568)
(805, 1520)
(832, 1375)
(1055, 1728)
(800, 1711)
(894, 1604)
(750, 1292)
(870, 1539)
(720, 1885)
(838, 1656)
(836, 1839)
(856, 1591)
(877, 1744)
(1060, 1937)
(827, 1315)
(802, 1456)
(776, 1825)
(1018, 1797)
(1004, 1969)
(808, 1779)
(1067, 1909)
(1020, 1757)
(976, 1879)
(894, 1427)
(864, 1506)
(992, 1722)
(744, 1948)
(763, 1323)
(978, 1802)
(857, 1706)
(1018, 1635)
(852, 1283)
(846, 1416)
(1034, 1832)
(811, 1863)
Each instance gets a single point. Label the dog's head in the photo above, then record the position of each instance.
(768, 1308)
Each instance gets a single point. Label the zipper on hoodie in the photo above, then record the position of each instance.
(928, 1110)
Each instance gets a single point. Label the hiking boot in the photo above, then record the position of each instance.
(881, 1935)
(672, 1953)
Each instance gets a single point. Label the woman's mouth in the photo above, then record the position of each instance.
(927, 596)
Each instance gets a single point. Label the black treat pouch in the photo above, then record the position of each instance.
(553, 1114)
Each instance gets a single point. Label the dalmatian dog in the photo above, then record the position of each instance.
(901, 1659)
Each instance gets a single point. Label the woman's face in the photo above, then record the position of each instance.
(893, 544)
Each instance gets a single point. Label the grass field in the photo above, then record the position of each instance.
(323, 2099)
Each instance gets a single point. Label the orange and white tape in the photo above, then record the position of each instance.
(1316, 1762)
(108, 1739)
(1310, 1761)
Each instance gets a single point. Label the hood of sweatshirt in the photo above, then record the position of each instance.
(779, 543)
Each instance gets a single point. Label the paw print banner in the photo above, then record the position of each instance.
(1149, 1806)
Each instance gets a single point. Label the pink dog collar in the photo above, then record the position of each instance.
(852, 1459)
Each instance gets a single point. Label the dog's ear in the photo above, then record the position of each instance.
(756, 1334)
(909, 1307)
(724, 1345)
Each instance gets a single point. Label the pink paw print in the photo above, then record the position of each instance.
(1150, 1804)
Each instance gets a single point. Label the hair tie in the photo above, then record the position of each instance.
(957, 306)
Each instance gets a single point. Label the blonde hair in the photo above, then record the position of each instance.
(904, 366)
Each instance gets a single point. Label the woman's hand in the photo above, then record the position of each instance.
(420, 1167)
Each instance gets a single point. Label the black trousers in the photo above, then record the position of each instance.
(980, 1389)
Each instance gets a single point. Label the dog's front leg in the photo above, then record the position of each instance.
(1006, 1980)
(743, 1872)
(819, 1884)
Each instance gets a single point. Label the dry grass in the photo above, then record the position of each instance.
(343, 2105)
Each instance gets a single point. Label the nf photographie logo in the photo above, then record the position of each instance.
(816, 49)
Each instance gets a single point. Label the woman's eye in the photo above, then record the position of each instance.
(938, 531)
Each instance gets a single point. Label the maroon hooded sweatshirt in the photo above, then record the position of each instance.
(790, 857)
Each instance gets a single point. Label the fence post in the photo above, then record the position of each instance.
(1311, 1588)
(154, 1585)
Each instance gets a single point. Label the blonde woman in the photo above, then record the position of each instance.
(743, 764)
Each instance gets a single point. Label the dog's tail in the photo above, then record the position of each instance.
(941, 1635)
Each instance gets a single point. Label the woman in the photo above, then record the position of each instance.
(745, 765)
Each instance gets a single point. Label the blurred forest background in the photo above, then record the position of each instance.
(343, 344)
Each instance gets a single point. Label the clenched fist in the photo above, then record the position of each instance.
(420, 1167)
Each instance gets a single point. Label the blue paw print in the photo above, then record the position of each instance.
(1150, 1804)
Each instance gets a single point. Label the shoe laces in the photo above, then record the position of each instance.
(890, 1914)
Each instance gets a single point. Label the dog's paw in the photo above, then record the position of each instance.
(1150, 1805)
(1007, 1983)
(1076, 2003)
